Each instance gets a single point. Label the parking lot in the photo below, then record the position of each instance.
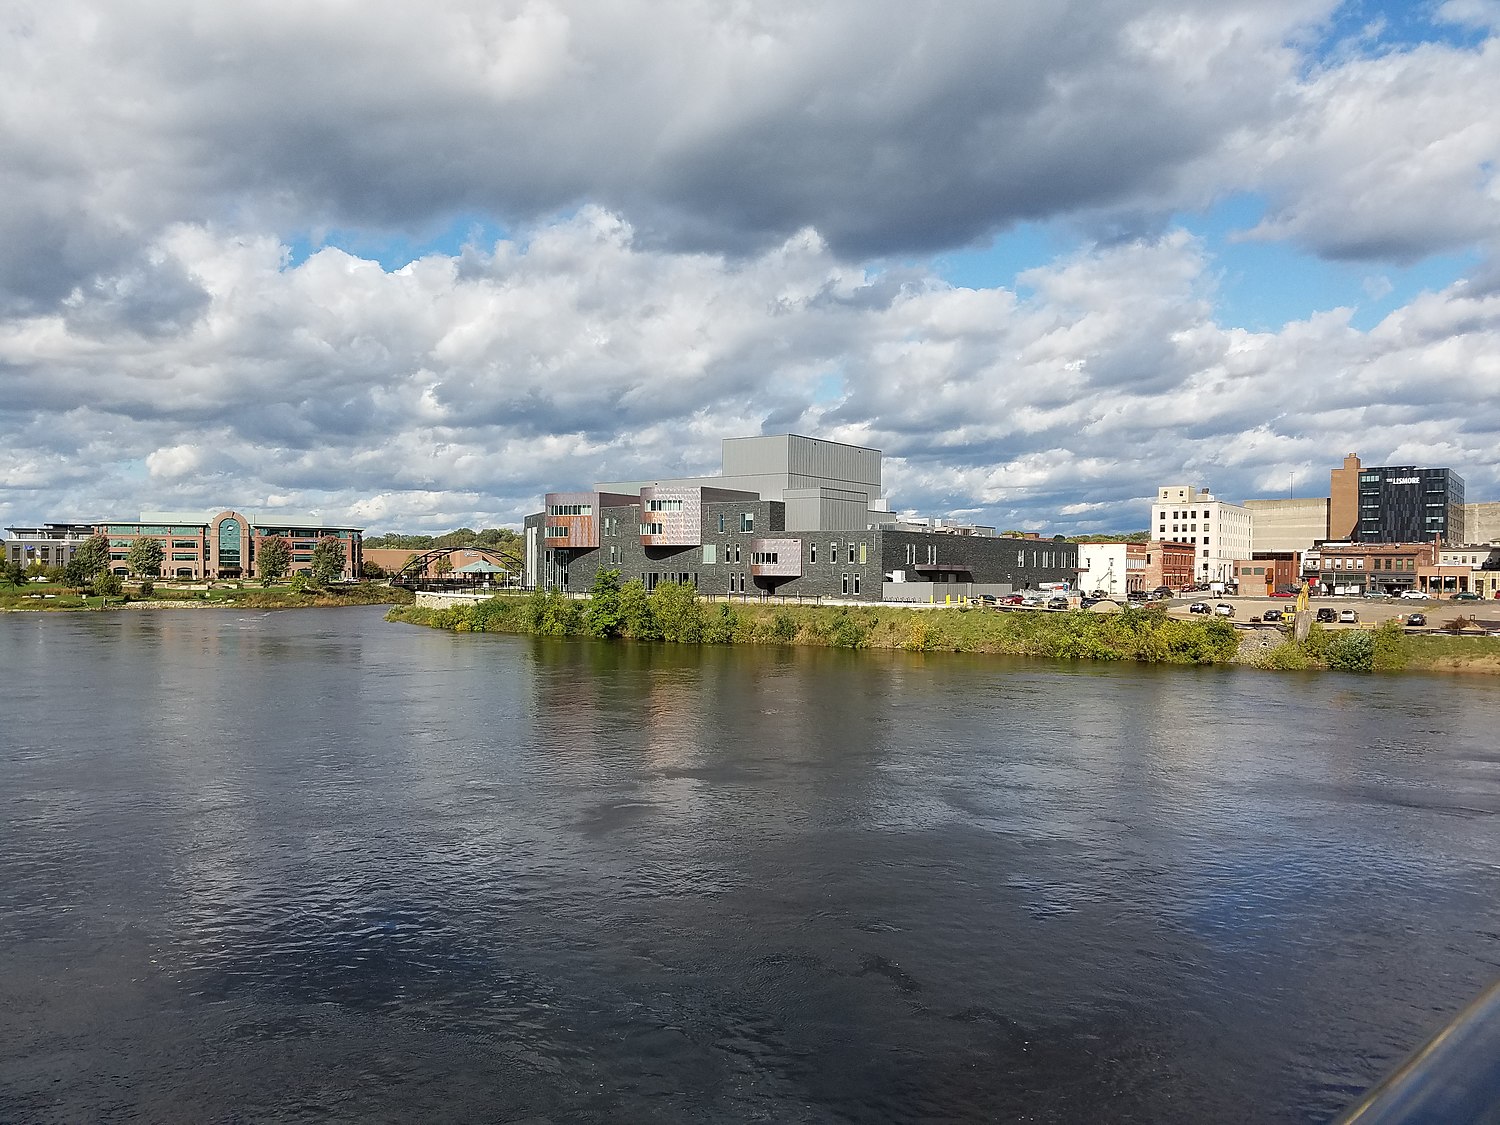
(1372, 611)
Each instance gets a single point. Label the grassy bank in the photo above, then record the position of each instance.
(674, 614)
(46, 597)
(1386, 649)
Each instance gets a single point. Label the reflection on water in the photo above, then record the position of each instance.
(311, 866)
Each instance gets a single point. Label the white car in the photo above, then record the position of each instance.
(1414, 595)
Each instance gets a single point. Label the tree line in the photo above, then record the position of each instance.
(495, 538)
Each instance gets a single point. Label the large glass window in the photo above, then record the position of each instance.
(229, 543)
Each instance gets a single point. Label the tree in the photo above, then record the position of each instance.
(368, 569)
(108, 585)
(602, 619)
(443, 567)
(273, 559)
(145, 558)
(678, 613)
(15, 573)
(89, 560)
(636, 618)
(327, 561)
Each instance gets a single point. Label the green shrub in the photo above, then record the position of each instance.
(678, 613)
(720, 625)
(636, 618)
(783, 628)
(845, 630)
(561, 616)
(1351, 651)
(602, 618)
(1391, 650)
(1316, 645)
(1288, 656)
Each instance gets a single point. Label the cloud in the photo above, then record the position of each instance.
(714, 222)
(884, 125)
(457, 389)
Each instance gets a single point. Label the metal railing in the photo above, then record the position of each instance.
(1453, 1080)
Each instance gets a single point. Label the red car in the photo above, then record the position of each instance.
(1283, 593)
(1013, 599)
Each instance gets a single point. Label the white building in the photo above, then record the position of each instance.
(1109, 567)
(1220, 531)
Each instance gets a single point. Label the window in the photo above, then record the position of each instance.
(765, 558)
(747, 521)
(664, 505)
(710, 554)
(851, 552)
(651, 529)
(863, 556)
(846, 583)
(856, 583)
(812, 552)
(737, 553)
(571, 510)
(721, 523)
(556, 532)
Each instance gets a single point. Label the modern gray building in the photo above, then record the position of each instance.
(50, 545)
(790, 515)
(1406, 504)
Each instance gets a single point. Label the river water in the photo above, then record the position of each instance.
(311, 866)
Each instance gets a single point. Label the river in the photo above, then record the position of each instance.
(311, 866)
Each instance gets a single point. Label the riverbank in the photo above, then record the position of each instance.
(52, 599)
(1147, 636)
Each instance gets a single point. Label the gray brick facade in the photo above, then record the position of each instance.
(833, 564)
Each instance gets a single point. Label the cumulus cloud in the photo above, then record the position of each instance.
(459, 388)
(716, 216)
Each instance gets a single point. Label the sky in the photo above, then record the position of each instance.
(411, 266)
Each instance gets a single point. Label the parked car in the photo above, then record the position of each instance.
(1059, 602)
(1348, 617)
(1283, 592)
(1416, 619)
(1327, 614)
(986, 599)
(1271, 615)
(1200, 607)
(1013, 599)
(1415, 595)
(1084, 603)
(1224, 609)
(1163, 591)
(1466, 596)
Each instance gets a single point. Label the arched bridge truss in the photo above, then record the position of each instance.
(416, 567)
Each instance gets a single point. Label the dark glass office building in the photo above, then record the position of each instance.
(1404, 504)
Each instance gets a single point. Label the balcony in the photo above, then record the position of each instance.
(776, 558)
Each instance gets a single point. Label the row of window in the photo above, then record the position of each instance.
(570, 509)
(1378, 564)
(664, 505)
